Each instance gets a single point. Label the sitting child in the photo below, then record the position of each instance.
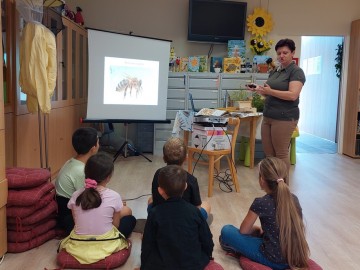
(71, 176)
(280, 243)
(174, 152)
(176, 235)
(102, 222)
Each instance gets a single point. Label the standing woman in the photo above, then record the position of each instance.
(281, 110)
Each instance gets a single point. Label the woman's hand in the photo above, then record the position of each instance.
(264, 90)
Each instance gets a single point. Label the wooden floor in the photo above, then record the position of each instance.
(328, 186)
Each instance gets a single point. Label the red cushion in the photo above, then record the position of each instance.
(26, 177)
(213, 266)
(313, 265)
(28, 197)
(65, 260)
(24, 211)
(24, 236)
(25, 228)
(48, 211)
(33, 243)
(247, 264)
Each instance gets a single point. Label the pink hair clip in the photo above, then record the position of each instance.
(89, 183)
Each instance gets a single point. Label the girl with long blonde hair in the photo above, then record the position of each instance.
(280, 242)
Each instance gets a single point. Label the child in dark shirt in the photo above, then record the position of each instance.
(280, 243)
(176, 235)
(174, 152)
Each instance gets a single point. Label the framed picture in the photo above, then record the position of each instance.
(296, 60)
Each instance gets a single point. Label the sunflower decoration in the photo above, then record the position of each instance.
(259, 45)
(260, 22)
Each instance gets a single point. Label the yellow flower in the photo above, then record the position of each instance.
(259, 45)
(260, 22)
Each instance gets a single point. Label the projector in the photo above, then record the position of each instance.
(216, 121)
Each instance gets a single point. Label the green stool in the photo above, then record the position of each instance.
(293, 146)
(244, 154)
(245, 149)
(244, 143)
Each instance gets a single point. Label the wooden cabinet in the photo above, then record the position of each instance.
(23, 130)
(351, 138)
(3, 181)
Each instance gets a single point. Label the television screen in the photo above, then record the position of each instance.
(216, 21)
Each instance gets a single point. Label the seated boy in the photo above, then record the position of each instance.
(176, 235)
(72, 176)
(174, 152)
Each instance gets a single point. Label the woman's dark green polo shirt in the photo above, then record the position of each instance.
(279, 79)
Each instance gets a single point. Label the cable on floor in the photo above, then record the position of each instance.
(2, 259)
(125, 200)
(224, 179)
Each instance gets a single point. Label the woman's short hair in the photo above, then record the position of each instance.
(285, 43)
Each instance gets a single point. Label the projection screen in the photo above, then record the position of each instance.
(128, 76)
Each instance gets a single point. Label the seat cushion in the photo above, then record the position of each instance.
(65, 260)
(48, 211)
(247, 264)
(313, 265)
(24, 236)
(26, 177)
(28, 197)
(25, 211)
(213, 266)
(33, 243)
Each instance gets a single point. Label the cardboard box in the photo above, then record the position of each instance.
(210, 139)
(209, 130)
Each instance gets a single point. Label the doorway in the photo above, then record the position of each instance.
(319, 99)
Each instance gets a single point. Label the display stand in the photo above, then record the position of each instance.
(126, 146)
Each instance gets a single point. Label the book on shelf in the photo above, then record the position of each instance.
(216, 62)
(203, 63)
(232, 65)
(236, 48)
(184, 61)
(194, 64)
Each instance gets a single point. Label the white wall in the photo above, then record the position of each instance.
(167, 19)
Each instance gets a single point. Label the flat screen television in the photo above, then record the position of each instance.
(216, 21)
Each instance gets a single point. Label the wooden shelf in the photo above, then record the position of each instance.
(352, 109)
